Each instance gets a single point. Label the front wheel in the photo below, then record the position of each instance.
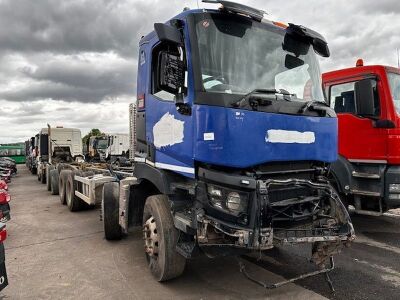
(161, 237)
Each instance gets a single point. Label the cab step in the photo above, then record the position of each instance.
(365, 175)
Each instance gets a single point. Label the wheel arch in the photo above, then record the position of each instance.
(340, 172)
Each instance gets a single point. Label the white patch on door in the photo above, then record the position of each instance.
(289, 137)
(168, 131)
(208, 136)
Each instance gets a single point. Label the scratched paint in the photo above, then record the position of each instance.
(168, 131)
(289, 137)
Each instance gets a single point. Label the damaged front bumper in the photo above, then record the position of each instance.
(283, 212)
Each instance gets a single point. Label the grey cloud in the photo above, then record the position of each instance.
(76, 80)
(82, 53)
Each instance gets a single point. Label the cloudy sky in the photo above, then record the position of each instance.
(73, 63)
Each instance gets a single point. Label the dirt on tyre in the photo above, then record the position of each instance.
(62, 185)
(110, 211)
(160, 237)
(54, 181)
(74, 203)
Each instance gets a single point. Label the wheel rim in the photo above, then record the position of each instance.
(150, 237)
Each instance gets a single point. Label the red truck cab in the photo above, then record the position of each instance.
(367, 102)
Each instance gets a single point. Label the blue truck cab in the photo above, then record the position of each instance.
(233, 142)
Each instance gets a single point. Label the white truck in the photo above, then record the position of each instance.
(65, 146)
(117, 150)
(42, 153)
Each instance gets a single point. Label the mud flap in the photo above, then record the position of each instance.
(124, 193)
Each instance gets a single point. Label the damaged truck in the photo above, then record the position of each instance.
(233, 143)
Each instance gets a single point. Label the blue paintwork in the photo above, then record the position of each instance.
(240, 137)
(239, 134)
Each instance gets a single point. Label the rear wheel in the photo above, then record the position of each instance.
(54, 181)
(74, 203)
(161, 237)
(33, 170)
(48, 181)
(43, 178)
(62, 185)
(110, 211)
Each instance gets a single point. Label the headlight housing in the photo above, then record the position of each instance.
(234, 202)
(394, 188)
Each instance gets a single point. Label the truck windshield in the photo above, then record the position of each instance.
(102, 144)
(394, 82)
(238, 55)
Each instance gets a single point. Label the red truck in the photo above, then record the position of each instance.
(367, 102)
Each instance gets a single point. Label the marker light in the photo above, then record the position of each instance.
(359, 63)
(280, 24)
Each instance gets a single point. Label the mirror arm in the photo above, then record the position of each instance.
(182, 108)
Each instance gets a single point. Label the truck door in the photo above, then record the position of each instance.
(169, 133)
(359, 140)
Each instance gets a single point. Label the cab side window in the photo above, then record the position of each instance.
(343, 100)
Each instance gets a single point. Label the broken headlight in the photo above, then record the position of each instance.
(234, 202)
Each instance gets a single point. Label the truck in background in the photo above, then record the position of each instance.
(230, 154)
(65, 146)
(42, 154)
(117, 149)
(30, 155)
(367, 102)
(96, 148)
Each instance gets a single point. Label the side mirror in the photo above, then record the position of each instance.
(167, 33)
(171, 73)
(321, 47)
(364, 93)
(292, 62)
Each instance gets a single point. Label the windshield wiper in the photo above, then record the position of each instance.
(261, 102)
(318, 106)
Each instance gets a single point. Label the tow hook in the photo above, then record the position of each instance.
(326, 271)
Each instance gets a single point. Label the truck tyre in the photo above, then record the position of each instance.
(110, 211)
(43, 178)
(48, 181)
(74, 203)
(161, 237)
(54, 181)
(62, 185)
